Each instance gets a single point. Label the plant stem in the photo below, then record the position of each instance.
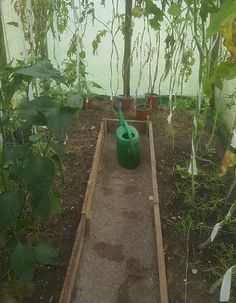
(232, 186)
(3, 154)
(158, 38)
(77, 35)
(48, 143)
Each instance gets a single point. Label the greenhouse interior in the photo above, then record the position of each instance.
(117, 151)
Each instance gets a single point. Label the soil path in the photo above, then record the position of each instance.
(119, 260)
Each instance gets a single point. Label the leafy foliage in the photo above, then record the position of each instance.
(39, 174)
(23, 261)
(156, 14)
(43, 69)
(228, 8)
(9, 209)
(97, 40)
(46, 253)
(30, 161)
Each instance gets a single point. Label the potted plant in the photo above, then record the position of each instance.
(125, 102)
(142, 111)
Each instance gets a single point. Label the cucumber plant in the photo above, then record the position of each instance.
(32, 133)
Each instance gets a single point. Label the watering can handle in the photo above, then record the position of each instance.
(126, 126)
(129, 132)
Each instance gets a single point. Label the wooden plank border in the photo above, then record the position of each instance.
(66, 293)
(88, 198)
(129, 121)
(68, 285)
(157, 220)
(67, 289)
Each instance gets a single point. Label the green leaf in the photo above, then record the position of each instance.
(45, 111)
(34, 111)
(55, 200)
(43, 69)
(35, 138)
(59, 121)
(39, 174)
(9, 209)
(57, 149)
(17, 152)
(174, 9)
(58, 163)
(44, 204)
(23, 261)
(46, 253)
(154, 23)
(82, 55)
(152, 9)
(41, 204)
(207, 87)
(75, 101)
(11, 87)
(16, 173)
(227, 9)
(207, 7)
(96, 85)
(224, 71)
(97, 40)
(137, 11)
(13, 24)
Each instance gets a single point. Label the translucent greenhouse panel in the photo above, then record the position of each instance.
(99, 68)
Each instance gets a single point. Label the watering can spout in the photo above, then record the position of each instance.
(117, 107)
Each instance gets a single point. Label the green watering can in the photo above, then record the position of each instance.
(127, 142)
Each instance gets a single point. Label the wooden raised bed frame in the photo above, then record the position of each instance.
(86, 216)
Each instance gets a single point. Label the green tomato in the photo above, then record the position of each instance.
(137, 11)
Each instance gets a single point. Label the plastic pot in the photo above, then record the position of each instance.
(151, 99)
(142, 111)
(126, 103)
(88, 103)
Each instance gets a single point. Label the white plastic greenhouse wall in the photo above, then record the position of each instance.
(98, 66)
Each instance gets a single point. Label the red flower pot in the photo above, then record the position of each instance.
(151, 99)
(126, 103)
(88, 103)
(142, 111)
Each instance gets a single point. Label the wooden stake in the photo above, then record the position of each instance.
(157, 220)
(160, 256)
(153, 164)
(105, 126)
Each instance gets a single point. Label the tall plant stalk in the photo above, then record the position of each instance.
(77, 39)
(127, 48)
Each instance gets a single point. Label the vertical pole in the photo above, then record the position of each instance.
(127, 48)
(3, 56)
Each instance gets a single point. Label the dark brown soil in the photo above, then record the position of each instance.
(48, 281)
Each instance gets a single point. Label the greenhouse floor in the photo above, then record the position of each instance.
(126, 261)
